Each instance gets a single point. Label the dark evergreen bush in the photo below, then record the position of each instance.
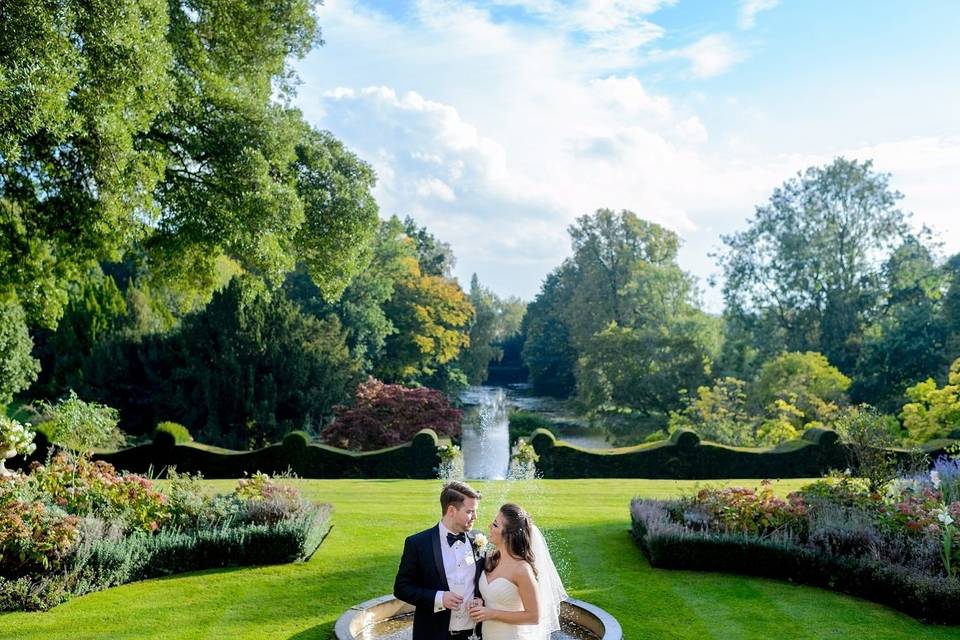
(524, 423)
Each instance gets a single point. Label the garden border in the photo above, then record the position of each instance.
(926, 598)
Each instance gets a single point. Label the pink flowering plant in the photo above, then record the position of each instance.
(34, 537)
(266, 501)
(744, 510)
(85, 487)
(913, 511)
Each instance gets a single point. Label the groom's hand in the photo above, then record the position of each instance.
(452, 600)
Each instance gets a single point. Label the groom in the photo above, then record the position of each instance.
(440, 568)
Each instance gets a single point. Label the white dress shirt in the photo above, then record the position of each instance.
(458, 562)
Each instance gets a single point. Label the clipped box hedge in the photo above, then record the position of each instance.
(685, 457)
(416, 459)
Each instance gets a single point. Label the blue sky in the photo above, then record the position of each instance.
(496, 124)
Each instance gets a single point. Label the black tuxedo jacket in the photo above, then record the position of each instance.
(419, 578)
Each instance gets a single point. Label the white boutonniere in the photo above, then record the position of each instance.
(480, 544)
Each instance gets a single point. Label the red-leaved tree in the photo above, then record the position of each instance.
(384, 415)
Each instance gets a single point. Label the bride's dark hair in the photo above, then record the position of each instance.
(516, 537)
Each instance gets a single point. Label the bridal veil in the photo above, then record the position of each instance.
(550, 589)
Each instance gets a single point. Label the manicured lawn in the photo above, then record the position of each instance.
(587, 521)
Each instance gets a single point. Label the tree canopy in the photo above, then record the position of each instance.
(811, 259)
(164, 129)
(617, 320)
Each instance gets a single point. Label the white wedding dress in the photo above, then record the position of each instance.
(504, 595)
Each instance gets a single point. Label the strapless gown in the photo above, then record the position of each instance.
(504, 595)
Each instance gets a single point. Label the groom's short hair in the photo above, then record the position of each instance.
(454, 493)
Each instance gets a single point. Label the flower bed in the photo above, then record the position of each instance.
(900, 549)
(74, 526)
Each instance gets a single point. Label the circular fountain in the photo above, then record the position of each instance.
(387, 618)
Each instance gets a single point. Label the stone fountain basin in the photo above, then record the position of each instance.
(386, 618)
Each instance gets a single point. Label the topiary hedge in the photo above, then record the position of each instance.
(684, 456)
(416, 459)
(171, 433)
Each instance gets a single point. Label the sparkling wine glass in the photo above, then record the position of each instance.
(473, 632)
(459, 587)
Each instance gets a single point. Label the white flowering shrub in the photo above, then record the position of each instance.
(16, 435)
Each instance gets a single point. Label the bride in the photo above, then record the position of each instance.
(520, 588)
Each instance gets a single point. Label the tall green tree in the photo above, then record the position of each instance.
(950, 308)
(475, 359)
(812, 258)
(17, 367)
(80, 83)
(96, 312)
(255, 367)
(548, 349)
(359, 308)
(154, 124)
(626, 273)
(619, 320)
(907, 341)
(633, 377)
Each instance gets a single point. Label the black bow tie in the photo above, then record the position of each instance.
(451, 538)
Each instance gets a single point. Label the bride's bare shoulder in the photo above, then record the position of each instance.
(522, 570)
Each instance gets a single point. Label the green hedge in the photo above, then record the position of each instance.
(416, 459)
(684, 456)
(524, 423)
(927, 598)
(170, 433)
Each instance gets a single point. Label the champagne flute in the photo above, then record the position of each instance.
(459, 587)
(473, 632)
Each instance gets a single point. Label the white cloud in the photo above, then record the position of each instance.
(710, 56)
(628, 93)
(749, 10)
(498, 135)
(500, 208)
(692, 129)
(924, 169)
(435, 188)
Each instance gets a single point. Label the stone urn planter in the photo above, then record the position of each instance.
(4, 454)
